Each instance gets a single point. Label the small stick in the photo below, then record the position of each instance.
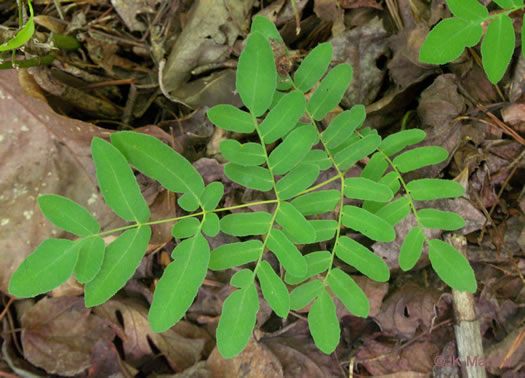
(468, 334)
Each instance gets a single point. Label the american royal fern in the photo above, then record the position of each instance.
(278, 111)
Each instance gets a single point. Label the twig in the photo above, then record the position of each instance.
(8, 304)
(468, 334)
(506, 129)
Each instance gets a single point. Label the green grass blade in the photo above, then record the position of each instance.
(294, 223)
(313, 67)
(420, 157)
(447, 40)
(298, 179)
(330, 92)
(237, 321)
(212, 195)
(68, 215)
(315, 203)
(231, 255)
(357, 151)
(90, 258)
(160, 162)
(118, 183)
(497, 47)
(273, 289)
(246, 224)
(345, 288)
(283, 117)
(180, 282)
(256, 74)
(318, 262)
(343, 125)
(411, 249)
(257, 178)
(47, 267)
(363, 259)
(287, 253)
(442, 220)
(24, 35)
(302, 295)
(229, 118)
(451, 266)
(247, 154)
(368, 224)
(364, 189)
(293, 149)
(122, 258)
(396, 142)
(431, 189)
(323, 323)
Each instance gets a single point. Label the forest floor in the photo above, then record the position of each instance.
(157, 66)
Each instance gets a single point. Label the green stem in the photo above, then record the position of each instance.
(26, 63)
(340, 175)
(504, 11)
(244, 205)
(403, 183)
(277, 200)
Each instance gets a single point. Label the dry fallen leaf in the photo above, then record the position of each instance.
(362, 48)
(383, 358)
(41, 152)
(300, 358)
(182, 349)
(408, 309)
(207, 37)
(59, 335)
(256, 360)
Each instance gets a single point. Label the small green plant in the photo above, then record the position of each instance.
(24, 35)
(277, 109)
(447, 40)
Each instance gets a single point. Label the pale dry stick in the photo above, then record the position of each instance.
(393, 9)
(515, 345)
(11, 299)
(234, 19)
(506, 129)
(297, 20)
(467, 330)
(59, 9)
